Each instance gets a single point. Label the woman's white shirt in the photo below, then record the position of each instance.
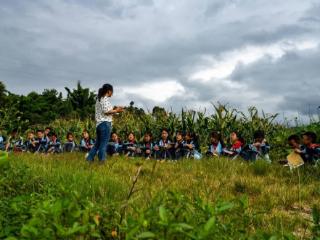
(102, 107)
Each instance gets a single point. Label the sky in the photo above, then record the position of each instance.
(174, 54)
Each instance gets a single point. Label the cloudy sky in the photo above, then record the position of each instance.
(183, 53)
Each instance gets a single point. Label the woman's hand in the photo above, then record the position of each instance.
(119, 109)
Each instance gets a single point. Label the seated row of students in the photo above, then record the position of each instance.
(44, 141)
(258, 149)
(183, 146)
(186, 146)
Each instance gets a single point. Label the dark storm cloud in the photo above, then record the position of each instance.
(53, 44)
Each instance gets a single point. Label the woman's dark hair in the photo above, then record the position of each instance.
(102, 91)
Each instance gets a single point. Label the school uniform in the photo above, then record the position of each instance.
(311, 154)
(114, 148)
(86, 144)
(129, 148)
(147, 146)
(214, 149)
(69, 146)
(15, 144)
(253, 153)
(234, 151)
(42, 144)
(30, 145)
(163, 152)
(2, 143)
(54, 146)
(193, 152)
(179, 150)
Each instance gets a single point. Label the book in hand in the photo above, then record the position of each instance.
(294, 160)
(228, 152)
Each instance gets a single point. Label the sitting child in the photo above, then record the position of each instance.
(146, 148)
(164, 146)
(294, 159)
(30, 143)
(179, 146)
(216, 145)
(41, 142)
(15, 142)
(236, 146)
(192, 148)
(86, 142)
(130, 146)
(259, 149)
(2, 142)
(311, 150)
(70, 144)
(54, 145)
(46, 132)
(114, 147)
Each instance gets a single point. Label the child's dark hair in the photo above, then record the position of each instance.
(39, 130)
(49, 128)
(103, 90)
(294, 138)
(130, 133)
(52, 134)
(165, 129)
(180, 133)
(148, 134)
(69, 134)
(311, 135)
(258, 134)
(216, 135)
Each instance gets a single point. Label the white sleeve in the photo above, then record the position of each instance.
(106, 105)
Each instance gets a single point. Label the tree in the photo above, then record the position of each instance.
(3, 94)
(82, 101)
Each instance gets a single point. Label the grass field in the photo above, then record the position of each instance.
(63, 197)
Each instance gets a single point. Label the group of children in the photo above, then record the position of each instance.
(44, 141)
(183, 145)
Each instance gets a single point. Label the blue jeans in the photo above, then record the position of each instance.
(100, 146)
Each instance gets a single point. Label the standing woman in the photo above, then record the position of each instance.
(104, 112)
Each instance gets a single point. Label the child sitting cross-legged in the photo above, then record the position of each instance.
(179, 146)
(130, 146)
(216, 145)
(15, 142)
(146, 148)
(86, 142)
(259, 149)
(41, 142)
(163, 148)
(30, 144)
(311, 149)
(114, 147)
(236, 146)
(69, 145)
(192, 147)
(54, 145)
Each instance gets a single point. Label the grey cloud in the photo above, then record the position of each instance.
(52, 44)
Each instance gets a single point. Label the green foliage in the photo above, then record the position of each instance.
(61, 197)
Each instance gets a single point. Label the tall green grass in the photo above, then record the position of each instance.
(63, 197)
